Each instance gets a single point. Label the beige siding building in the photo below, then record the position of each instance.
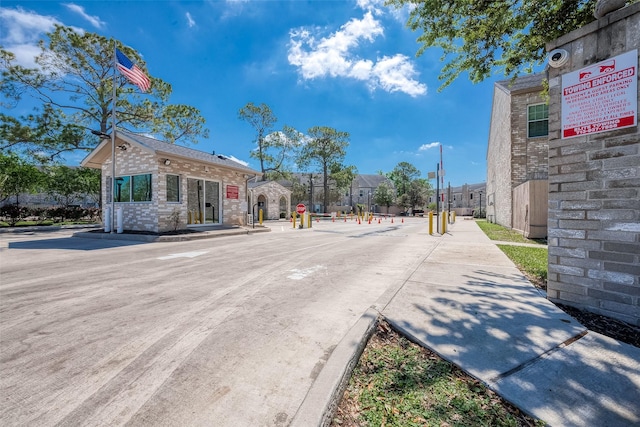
(517, 154)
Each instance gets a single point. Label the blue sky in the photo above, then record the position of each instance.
(350, 65)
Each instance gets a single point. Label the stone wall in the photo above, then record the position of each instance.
(272, 193)
(594, 187)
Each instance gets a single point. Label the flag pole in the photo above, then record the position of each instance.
(113, 141)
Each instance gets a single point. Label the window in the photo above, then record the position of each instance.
(173, 188)
(121, 189)
(538, 120)
(361, 193)
(141, 186)
(136, 188)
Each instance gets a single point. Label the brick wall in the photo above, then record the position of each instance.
(529, 155)
(594, 188)
(273, 193)
(154, 216)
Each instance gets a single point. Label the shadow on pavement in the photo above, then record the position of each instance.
(72, 243)
(501, 330)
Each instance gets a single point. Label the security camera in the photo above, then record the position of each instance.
(558, 57)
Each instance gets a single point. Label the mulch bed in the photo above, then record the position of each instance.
(604, 325)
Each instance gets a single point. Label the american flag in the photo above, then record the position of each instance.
(132, 72)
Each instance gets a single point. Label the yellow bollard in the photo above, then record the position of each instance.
(309, 220)
(444, 222)
(260, 214)
(294, 219)
(453, 220)
(430, 223)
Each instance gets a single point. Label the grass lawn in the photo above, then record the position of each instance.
(498, 232)
(531, 261)
(398, 383)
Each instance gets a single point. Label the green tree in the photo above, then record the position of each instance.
(478, 36)
(384, 195)
(18, 177)
(68, 185)
(343, 176)
(325, 150)
(279, 153)
(262, 119)
(419, 192)
(89, 183)
(402, 175)
(73, 87)
(274, 150)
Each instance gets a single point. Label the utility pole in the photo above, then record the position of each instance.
(449, 200)
(438, 197)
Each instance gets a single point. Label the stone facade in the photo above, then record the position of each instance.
(594, 187)
(512, 156)
(143, 155)
(273, 198)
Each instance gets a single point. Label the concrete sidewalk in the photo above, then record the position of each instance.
(467, 302)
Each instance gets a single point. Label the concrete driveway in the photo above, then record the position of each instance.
(227, 331)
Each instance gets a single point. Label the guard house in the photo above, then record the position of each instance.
(161, 186)
(272, 198)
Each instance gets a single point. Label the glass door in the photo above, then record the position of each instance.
(212, 202)
(203, 202)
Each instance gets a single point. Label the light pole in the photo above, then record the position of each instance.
(119, 184)
(369, 202)
(311, 209)
(480, 213)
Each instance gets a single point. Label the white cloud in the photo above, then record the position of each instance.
(25, 54)
(334, 56)
(21, 31)
(395, 74)
(93, 20)
(235, 159)
(234, 8)
(190, 22)
(330, 55)
(425, 147)
(20, 27)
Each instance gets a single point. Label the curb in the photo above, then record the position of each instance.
(320, 403)
(322, 399)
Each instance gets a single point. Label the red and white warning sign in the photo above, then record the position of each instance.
(601, 97)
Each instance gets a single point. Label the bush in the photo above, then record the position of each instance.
(12, 214)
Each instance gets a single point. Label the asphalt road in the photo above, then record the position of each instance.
(228, 331)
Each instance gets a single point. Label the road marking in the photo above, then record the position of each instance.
(183, 255)
(301, 274)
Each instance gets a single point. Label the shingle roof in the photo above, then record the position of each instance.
(184, 152)
(372, 181)
(99, 154)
